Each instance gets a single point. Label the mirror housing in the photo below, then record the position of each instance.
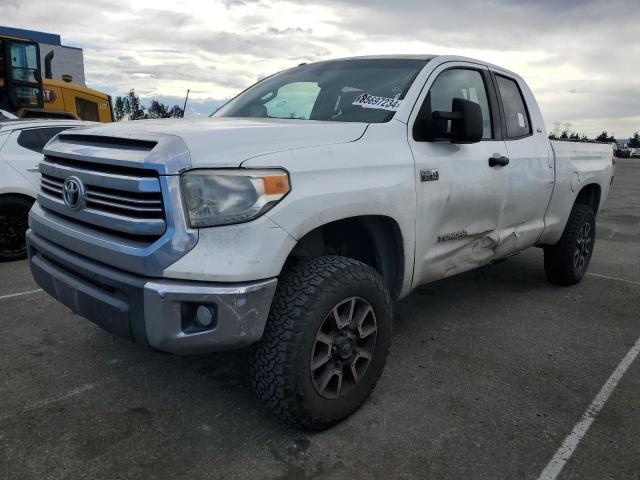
(465, 119)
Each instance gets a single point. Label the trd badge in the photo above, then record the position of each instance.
(429, 175)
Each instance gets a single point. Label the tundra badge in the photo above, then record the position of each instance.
(445, 237)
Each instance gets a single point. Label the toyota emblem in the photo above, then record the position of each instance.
(73, 192)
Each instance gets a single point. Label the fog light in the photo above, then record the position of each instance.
(204, 316)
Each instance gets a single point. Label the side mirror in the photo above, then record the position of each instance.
(463, 124)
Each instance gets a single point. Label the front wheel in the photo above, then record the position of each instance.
(14, 213)
(566, 262)
(325, 343)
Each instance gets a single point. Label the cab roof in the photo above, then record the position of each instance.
(400, 56)
(20, 123)
(426, 58)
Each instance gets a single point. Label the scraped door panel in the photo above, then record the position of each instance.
(459, 209)
(529, 186)
(457, 228)
(530, 173)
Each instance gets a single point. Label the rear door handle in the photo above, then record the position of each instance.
(498, 161)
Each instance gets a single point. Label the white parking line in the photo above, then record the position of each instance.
(12, 295)
(564, 453)
(614, 278)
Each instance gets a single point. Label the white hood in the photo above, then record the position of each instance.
(227, 142)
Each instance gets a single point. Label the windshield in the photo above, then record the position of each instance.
(359, 90)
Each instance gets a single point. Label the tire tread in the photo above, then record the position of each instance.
(272, 372)
(558, 258)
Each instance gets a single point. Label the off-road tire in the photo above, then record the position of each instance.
(13, 227)
(560, 259)
(280, 368)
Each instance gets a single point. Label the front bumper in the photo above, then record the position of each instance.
(155, 312)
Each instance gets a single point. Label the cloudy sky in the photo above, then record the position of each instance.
(580, 57)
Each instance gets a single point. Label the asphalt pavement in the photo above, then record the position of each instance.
(488, 373)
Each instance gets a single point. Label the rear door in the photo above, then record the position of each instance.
(530, 172)
(460, 197)
(23, 150)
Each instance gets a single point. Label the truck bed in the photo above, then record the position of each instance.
(576, 165)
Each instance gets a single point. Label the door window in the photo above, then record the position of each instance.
(515, 110)
(460, 83)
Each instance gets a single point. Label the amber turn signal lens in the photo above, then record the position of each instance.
(276, 185)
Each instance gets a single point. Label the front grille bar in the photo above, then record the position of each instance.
(117, 222)
(121, 199)
(101, 179)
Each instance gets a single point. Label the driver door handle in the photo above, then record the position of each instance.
(501, 161)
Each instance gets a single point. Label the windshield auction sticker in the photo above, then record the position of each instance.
(381, 103)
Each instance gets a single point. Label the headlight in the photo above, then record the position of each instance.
(223, 197)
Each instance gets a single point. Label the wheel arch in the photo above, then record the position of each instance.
(563, 203)
(372, 239)
(12, 241)
(24, 196)
(590, 195)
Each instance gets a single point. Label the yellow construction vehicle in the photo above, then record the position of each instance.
(25, 92)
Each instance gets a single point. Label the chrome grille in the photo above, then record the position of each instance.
(120, 199)
(125, 203)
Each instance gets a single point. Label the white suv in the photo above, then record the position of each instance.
(21, 144)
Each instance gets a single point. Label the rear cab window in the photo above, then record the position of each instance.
(516, 115)
(35, 139)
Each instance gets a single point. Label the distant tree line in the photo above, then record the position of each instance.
(129, 108)
(567, 134)
(605, 137)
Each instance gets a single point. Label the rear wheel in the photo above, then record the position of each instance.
(566, 262)
(325, 343)
(14, 213)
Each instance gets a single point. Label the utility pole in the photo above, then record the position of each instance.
(184, 107)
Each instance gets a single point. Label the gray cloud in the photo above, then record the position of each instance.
(496, 24)
(579, 56)
(290, 31)
(239, 3)
(591, 37)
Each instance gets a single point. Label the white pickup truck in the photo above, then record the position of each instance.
(296, 216)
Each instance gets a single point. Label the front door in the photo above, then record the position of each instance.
(460, 196)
